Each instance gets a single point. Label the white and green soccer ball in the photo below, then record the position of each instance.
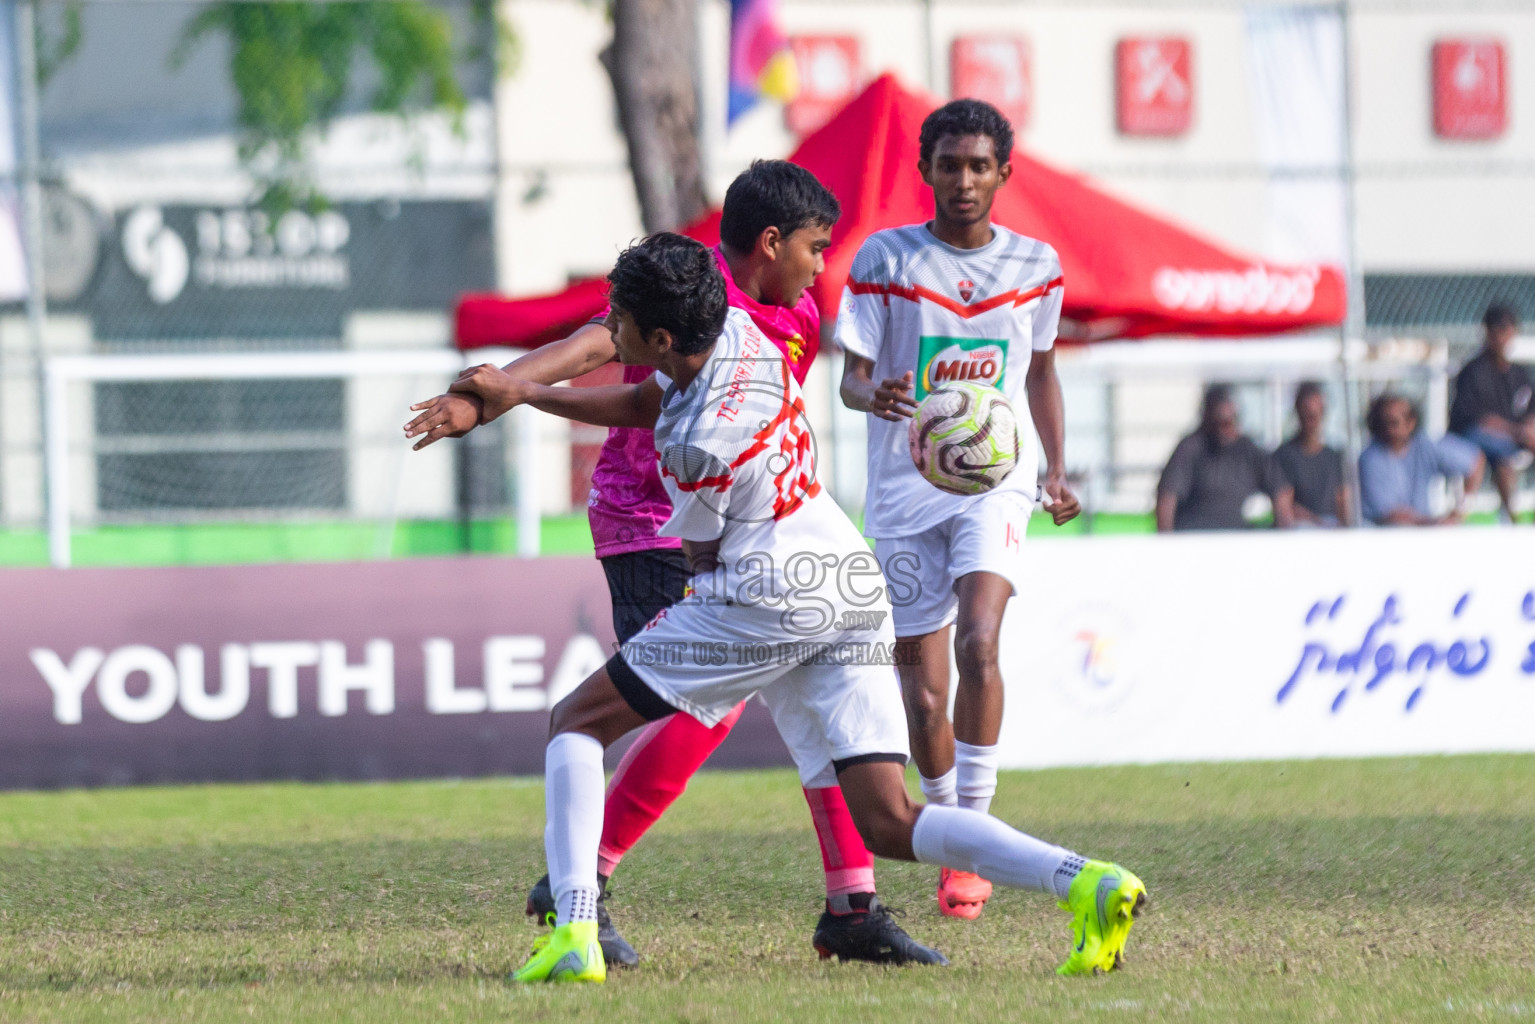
(964, 437)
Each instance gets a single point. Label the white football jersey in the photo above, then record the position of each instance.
(915, 303)
(738, 459)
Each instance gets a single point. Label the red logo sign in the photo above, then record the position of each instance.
(1470, 89)
(830, 73)
(995, 69)
(1155, 86)
(966, 289)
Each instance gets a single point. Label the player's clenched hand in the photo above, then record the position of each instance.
(444, 416)
(1061, 503)
(893, 399)
(497, 389)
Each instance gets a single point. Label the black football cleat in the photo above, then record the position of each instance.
(871, 935)
(615, 948)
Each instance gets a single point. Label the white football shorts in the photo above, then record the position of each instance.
(834, 696)
(921, 570)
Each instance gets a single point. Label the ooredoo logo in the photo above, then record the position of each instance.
(1254, 290)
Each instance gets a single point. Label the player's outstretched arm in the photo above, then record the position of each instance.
(456, 413)
(1048, 409)
(890, 399)
(622, 405)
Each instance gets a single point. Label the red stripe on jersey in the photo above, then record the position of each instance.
(916, 293)
(791, 493)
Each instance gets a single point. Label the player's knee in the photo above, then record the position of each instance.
(573, 714)
(924, 705)
(886, 829)
(564, 716)
(975, 652)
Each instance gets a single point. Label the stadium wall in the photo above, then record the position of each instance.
(1255, 646)
(1135, 649)
(419, 668)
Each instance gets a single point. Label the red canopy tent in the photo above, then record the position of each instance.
(1128, 274)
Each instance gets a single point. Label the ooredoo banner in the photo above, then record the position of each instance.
(359, 670)
(1273, 645)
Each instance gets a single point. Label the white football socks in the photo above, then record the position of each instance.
(940, 791)
(573, 793)
(955, 837)
(977, 779)
(578, 904)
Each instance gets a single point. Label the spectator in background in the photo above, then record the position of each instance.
(1400, 464)
(1311, 466)
(1493, 408)
(1213, 472)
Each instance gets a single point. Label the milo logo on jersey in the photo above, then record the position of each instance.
(941, 360)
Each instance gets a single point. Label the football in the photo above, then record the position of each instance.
(964, 437)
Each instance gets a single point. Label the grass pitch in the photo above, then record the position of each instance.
(1360, 890)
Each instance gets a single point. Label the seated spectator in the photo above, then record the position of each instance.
(1400, 464)
(1213, 472)
(1492, 407)
(1311, 466)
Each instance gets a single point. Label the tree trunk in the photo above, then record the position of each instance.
(651, 64)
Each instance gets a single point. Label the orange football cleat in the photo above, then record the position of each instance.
(962, 894)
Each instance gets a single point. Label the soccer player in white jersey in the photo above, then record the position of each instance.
(786, 601)
(955, 298)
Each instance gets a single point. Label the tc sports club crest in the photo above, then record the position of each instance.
(966, 289)
(941, 360)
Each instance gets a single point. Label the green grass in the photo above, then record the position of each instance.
(1353, 890)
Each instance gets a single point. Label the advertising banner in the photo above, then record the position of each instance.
(997, 69)
(1470, 89)
(1154, 86)
(189, 271)
(1129, 649)
(359, 671)
(1273, 645)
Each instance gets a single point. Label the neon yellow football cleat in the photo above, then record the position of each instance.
(1104, 901)
(569, 953)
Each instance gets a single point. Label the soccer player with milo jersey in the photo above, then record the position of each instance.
(784, 602)
(774, 227)
(956, 298)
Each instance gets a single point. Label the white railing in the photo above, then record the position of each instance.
(60, 371)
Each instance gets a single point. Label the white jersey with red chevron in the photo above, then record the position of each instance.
(738, 459)
(915, 303)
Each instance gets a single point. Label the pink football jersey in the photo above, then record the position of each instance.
(628, 503)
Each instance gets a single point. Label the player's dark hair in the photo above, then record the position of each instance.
(1375, 419)
(671, 282)
(1304, 390)
(966, 117)
(1500, 314)
(1216, 395)
(774, 194)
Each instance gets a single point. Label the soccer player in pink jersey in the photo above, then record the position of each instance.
(774, 228)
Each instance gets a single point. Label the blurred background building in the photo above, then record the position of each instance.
(1391, 137)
